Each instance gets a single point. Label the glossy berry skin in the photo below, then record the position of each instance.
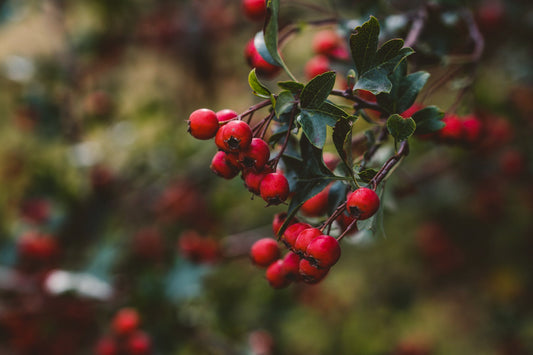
(274, 188)
(221, 166)
(139, 343)
(203, 124)
(252, 180)
(254, 10)
(236, 136)
(279, 219)
(323, 251)
(311, 274)
(453, 131)
(276, 275)
(292, 232)
(317, 205)
(264, 252)
(254, 60)
(291, 266)
(256, 155)
(316, 65)
(362, 203)
(126, 321)
(226, 115)
(304, 238)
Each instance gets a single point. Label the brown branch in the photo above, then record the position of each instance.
(390, 164)
(417, 27)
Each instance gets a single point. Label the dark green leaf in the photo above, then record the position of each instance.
(337, 195)
(258, 88)
(317, 90)
(342, 133)
(363, 45)
(293, 86)
(375, 80)
(314, 125)
(270, 30)
(261, 47)
(333, 110)
(410, 86)
(429, 126)
(428, 120)
(389, 50)
(391, 64)
(401, 128)
(283, 106)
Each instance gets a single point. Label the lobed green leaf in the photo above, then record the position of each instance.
(401, 128)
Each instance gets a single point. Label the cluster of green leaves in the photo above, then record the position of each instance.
(303, 112)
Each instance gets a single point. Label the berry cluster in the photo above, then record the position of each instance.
(126, 338)
(328, 46)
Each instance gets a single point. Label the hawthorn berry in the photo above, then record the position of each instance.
(317, 65)
(362, 203)
(255, 60)
(106, 346)
(37, 247)
(304, 238)
(311, 274)
(279, 219)
(292, 232)
(276, 275)
(264, 252)
(256, 155)
(252, 179)
(323, 251)
(236, 136)
(203, 124)
(274, 188)
(317, 205)
(453, 130)
(222, 167)
(291, 266)
(126, 321)
(226, 115)
(326, 42)
(254, 10)
(138, 343)
(472, 128)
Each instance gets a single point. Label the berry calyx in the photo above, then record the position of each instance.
(256, 155)
(276, 275)
(362, 203)
(236, 136)
(254, 10)
(323, 251)
(126, 321)
(304, 238)
(291, 266)
(311, 274)
(222, 167)
(274, 188)
(203, 124)
(264, 252)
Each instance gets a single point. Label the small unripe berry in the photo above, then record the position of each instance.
(274, 188)
(264, 252)
(255, 10)
(323, 251)
(203, 124)
(316, 65)
(292, 232)
(237, 136)
(226, 115)
(311, 274)
(276, 275)
(222, 167)
(304, 238)
(126, 321)
(256, 155)
(362, 203)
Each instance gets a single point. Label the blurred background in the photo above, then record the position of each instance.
(107, 204)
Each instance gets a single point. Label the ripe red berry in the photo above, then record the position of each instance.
(252, 179)
(311, 274)
(222, 167)
(292, 232)
(316, 65)
(264, 252)
(254, 60)
(236, 135)
(453, 130)
(345, 221)
(317, 205)
(291, 266)
(203, 124)
(326, 42)
(139, 343)
(37, 247)
(126, 320)
(226, 115)
(274, 188)
(255, 10)
(472, 128)
(276, 275)
(362, 203)
(256, 155)
(106, 346)
(279, 219)
(304, 238)
(323, 251)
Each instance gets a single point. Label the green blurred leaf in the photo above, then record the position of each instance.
(342, 138)
(262, 49)
(270, 31)
(317, 90)
(258, 88)
(401, 128)
(428, 120)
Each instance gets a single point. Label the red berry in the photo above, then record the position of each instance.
(326, 42)
(311, 274)
(126, 320)
(290, 265)
(472, 128)
(264, 252)
(362, 203)
(323, 251)
(316, 65)
(254, 60)
(292, 232)
(453, 130)
(139, 343)
(203, 124)
(256, 155)
(38, 247)
(331, 160)
(276, 275)
(278, 221)
(106, 346)
(317, 205)
(237, 136)
(255, 10)
(344, 222)
(274, 188)
(252, 180)
(304, 238)
(222, 167)
(226, 115)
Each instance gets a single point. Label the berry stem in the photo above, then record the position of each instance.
(352, 223)
(254, 108)
(275, 161)
(333, 216)
(361, 103)
(390, 165)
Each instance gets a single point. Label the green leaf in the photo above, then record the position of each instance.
(401, 128)
(333, 110)
(428, 120)
(342, 138)
(314, 125)
(317, 90)
(389, 50)
(293, 86)
(429, 126)
(410, 86)
(363, 45)
(258, 88)
(283, 106)
(375, 80)
(262, 49)
(270, 31)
